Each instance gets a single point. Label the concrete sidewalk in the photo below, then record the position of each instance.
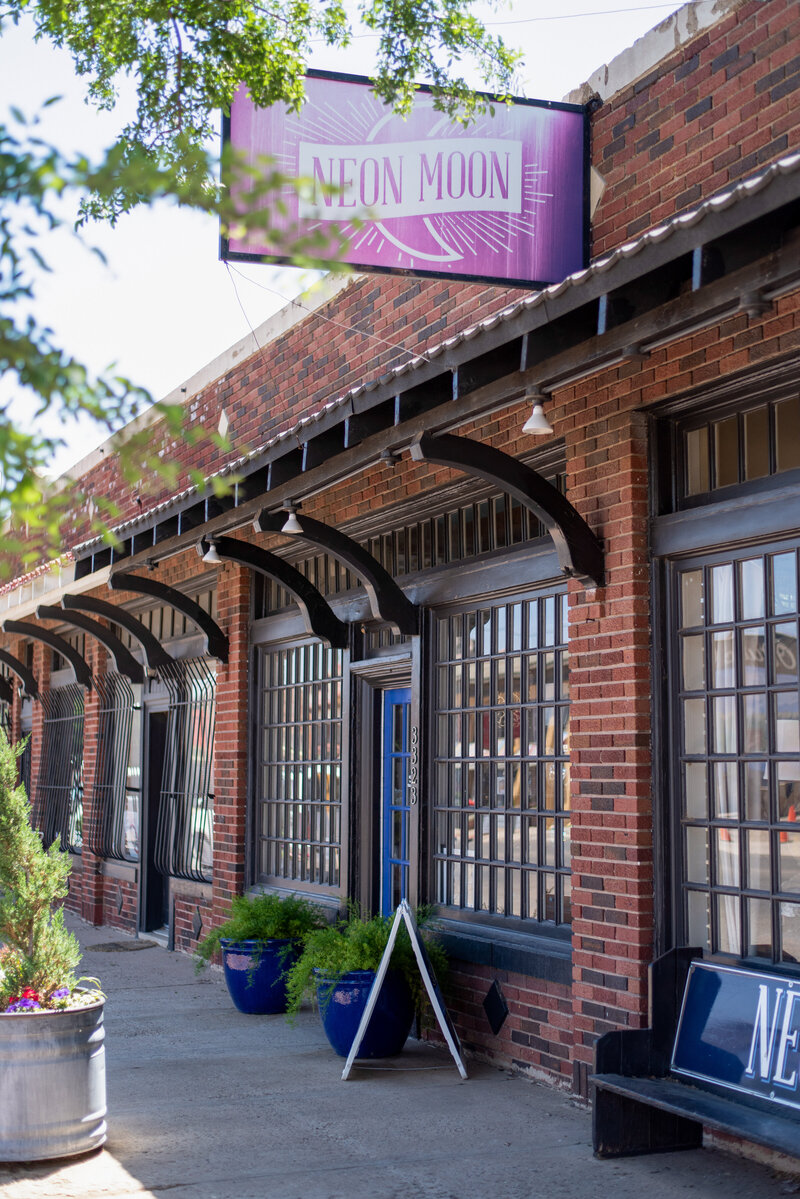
(205, 1103)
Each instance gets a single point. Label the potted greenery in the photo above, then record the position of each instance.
(52, 1060)
(338, 966)
(259, 942)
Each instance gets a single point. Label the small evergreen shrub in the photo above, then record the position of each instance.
(359, 943)
(262, 918)
(39, 956)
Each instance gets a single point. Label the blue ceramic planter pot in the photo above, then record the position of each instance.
(342, 1005)
(261, 990)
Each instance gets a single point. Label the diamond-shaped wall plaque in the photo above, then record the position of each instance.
(495, 1007)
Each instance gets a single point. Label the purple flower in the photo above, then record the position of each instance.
(24, 1005)
(60, 993)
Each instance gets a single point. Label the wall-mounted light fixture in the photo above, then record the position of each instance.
(292, 524)
(537, 423)
(211, 556)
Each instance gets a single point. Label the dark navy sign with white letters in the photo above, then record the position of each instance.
(740, 1029)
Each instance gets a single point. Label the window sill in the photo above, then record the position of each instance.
(536, 956)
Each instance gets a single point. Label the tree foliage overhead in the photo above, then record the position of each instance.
(184, 60)
(188, 57)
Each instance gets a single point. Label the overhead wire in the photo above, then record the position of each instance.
(566, 16)
(315, 312)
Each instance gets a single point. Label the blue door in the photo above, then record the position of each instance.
(395, 808)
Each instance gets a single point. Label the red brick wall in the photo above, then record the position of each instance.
(115, 915)
(719, 109)
(536, 1037)
(186, 909)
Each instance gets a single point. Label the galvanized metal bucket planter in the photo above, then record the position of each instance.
(52, 1083)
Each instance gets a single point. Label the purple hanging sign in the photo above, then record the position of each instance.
(503, 200)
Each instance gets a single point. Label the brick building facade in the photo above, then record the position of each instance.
(603, 760)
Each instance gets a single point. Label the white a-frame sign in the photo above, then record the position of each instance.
(405, 914)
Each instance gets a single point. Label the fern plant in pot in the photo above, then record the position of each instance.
(337, 968)
(52, 1060)
(258, 944)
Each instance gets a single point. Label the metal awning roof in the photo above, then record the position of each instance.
(620, 306)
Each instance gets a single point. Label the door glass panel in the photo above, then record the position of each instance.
(691, 598)
(723, 662)
(728, 922)
(696, 854)
(790, 932)
(789, 862)
(752, 656)
(787, 729)
(723, 708)
(755, 723)
(784, 583)
(756, 804)
(751, 588)
(722, 594)
(759, 936)
(726, 791)
(696, 798)
(757, 860)
(694, 673)
(726, 857)
(694, 726)
(697, 918)
(783, 653)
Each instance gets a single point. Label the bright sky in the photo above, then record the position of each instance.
(164, 306)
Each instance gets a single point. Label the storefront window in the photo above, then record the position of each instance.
(746, 445)
(739, 750)
(115, 828)
(299, 765)
(185, 827)
(501, 772)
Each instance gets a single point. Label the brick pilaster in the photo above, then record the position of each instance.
(231, 742)
(92, 899)
(42, 661)
(610, 732)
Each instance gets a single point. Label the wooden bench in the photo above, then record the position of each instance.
(656, 1089)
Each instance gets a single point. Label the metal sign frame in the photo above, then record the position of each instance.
(403, 913)
(411, 262)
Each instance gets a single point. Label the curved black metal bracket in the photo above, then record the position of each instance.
(579, 551)
(83, 674)
(386, 599)
(124, 661)
(6, 691)
(155, 655)
(216, 641)
(25, 676)
(318, 616)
